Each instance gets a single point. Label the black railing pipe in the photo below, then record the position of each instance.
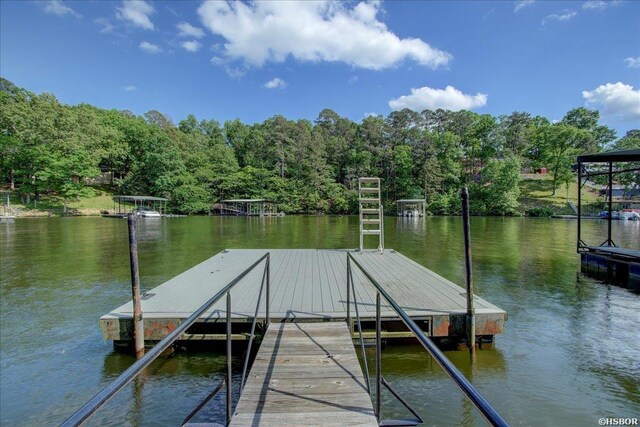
(89, 408)
(467, 388)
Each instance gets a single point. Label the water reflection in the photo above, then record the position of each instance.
(411, 223)
(150, 229)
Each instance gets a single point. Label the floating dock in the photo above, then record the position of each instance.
(607, 261)
(307, 285)
(311, 367)
(613, 264)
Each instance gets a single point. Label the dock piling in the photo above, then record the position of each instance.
(471, 327)
(138, 323)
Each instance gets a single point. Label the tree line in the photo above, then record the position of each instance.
(47, 147)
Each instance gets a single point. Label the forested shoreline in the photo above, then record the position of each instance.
(305, 167)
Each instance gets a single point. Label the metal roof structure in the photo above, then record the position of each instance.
(410, 200)
(140, 198)
(243, 200)
(611, 156)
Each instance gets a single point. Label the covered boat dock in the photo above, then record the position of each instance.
(128, 204)
(411, 207)
(246, 207)
(606, 260)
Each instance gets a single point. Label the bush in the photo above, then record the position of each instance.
(542, 212)
(439, 204)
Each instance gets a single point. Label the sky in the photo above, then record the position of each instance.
(252, 60)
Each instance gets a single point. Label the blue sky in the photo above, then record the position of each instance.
(254, 60)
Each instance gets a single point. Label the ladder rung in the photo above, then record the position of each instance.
(371, 232)
(371, 221)
(369, 190)
(369, 179)
(369, 200)
(367, 211)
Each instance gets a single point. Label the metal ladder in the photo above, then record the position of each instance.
(371, 212)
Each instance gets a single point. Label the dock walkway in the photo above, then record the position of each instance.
(309, 367)
(306, 285)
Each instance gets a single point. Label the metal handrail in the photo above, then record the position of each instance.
(351, 288)
(89, 408)
(485, 408)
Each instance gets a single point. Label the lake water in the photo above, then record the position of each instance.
(569, 355)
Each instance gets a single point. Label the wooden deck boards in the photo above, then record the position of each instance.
(306, 284)
(305, 374)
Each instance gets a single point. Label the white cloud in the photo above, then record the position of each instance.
(275, 83)
(449, 98)
(150, 47)
(332, 31)
(233, 72)
(594, 4)
(129, 88)
(57, 7)
(136, 12)
(191, 46)
(188, 30)
(521, 4)
(618, 99)
(565, 15)
(599, 4)
(633, 62)
(106, 25)
(352, 79)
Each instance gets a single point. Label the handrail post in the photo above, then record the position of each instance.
(228, 379)
(378, 357)
(138, 322)
(267, 302)
(355, 306)
(349, 295)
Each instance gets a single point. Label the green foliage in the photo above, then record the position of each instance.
(502, 189)
(540, 212)
(191, 198)
(304, 167)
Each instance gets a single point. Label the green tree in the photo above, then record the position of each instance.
(559, 144)
(587, 120)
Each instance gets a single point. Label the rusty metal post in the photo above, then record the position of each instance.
(138, 323)
(228, 378)
(471, 327)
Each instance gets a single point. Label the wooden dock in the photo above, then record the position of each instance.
(311, 367)
(306, 285)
